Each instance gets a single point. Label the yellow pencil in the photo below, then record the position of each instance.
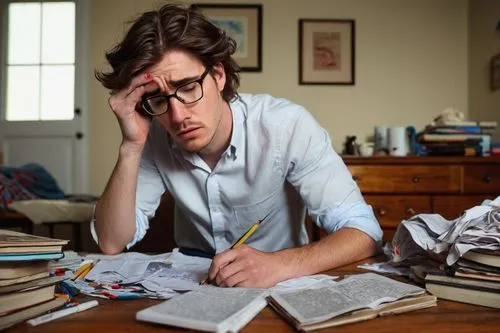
(86, 271)
(242, 240)
(80, 270)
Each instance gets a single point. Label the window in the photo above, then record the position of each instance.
(39, 53)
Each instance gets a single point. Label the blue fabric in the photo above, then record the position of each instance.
(29, 181)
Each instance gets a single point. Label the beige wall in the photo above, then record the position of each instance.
(411, 63)
(484, 42)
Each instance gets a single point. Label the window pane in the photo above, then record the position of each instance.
(24, 33)
(58, 83)
(23, 94)
(58, 33)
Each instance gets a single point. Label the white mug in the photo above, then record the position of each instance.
(397, 141)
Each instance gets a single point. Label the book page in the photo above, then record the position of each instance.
(354, 292)
(205, 308)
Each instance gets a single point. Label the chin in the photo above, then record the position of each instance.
(194, 146)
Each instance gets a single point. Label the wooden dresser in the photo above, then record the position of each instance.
(400, 187)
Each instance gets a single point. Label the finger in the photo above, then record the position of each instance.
(138, 81)
(136, 96)
(220, 260)
(246, 283)
(238, 279)
(227, 274)
(160, 83)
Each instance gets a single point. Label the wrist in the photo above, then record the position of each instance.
(291, 266)
(131, 149)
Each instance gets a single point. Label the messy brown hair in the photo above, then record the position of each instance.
(173, 26)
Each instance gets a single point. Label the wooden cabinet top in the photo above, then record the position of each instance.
(357, 160)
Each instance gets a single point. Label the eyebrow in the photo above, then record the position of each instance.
(177, 83)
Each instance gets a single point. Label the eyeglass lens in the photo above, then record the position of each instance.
(189, 93)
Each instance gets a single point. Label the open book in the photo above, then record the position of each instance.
(356, 298)
(209, 309)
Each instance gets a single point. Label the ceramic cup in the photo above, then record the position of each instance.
(366, 149)
(398, 141)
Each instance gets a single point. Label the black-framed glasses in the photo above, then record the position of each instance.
(187, 93)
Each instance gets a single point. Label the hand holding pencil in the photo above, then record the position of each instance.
(241, 241)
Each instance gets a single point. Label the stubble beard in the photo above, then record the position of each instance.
(207, 149)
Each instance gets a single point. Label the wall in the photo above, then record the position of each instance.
(484, 42)
(411, 63)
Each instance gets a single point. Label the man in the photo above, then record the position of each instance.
(229, 160)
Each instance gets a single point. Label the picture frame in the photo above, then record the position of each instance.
(495, 72)
(327, 51)
(243, 22)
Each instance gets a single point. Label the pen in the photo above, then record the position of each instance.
(62, 313)
(242, 239)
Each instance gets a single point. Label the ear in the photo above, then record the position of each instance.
(219, 76)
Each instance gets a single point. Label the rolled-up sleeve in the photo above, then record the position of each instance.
(141, 226)
(357, 215)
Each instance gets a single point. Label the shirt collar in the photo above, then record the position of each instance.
(238, 110)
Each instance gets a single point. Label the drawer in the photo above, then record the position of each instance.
(482, 178)
(391, 210)
(407, 179)
(453, 206)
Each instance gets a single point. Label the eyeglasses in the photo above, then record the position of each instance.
(187, 93)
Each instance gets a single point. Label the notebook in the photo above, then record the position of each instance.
(208, 308)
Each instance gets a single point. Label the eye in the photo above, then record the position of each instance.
(187, 88)
(157, 102)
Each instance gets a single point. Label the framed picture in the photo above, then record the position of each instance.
(326, 51)
(495, 72)
(244, 24)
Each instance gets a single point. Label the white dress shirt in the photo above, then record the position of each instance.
(279, 159)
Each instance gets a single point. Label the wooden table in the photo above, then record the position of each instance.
(119, 316)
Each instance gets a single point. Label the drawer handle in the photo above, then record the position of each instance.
(355, 178)
(410, 211)
(487, 179)
(415, 179)
(382, 212)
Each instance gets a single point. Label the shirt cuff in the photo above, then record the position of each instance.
(358, 215)
(141, 227)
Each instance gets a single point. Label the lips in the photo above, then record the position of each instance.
(188, 133)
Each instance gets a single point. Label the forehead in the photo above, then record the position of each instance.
(176, 65)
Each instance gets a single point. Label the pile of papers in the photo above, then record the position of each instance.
(163, 276)
(427, 236)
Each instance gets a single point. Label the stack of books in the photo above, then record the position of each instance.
(467, 138)
(474, 279)
(26, 287)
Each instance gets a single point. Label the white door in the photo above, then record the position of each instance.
(43, 80)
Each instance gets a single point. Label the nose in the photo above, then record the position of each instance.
(177, 111)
